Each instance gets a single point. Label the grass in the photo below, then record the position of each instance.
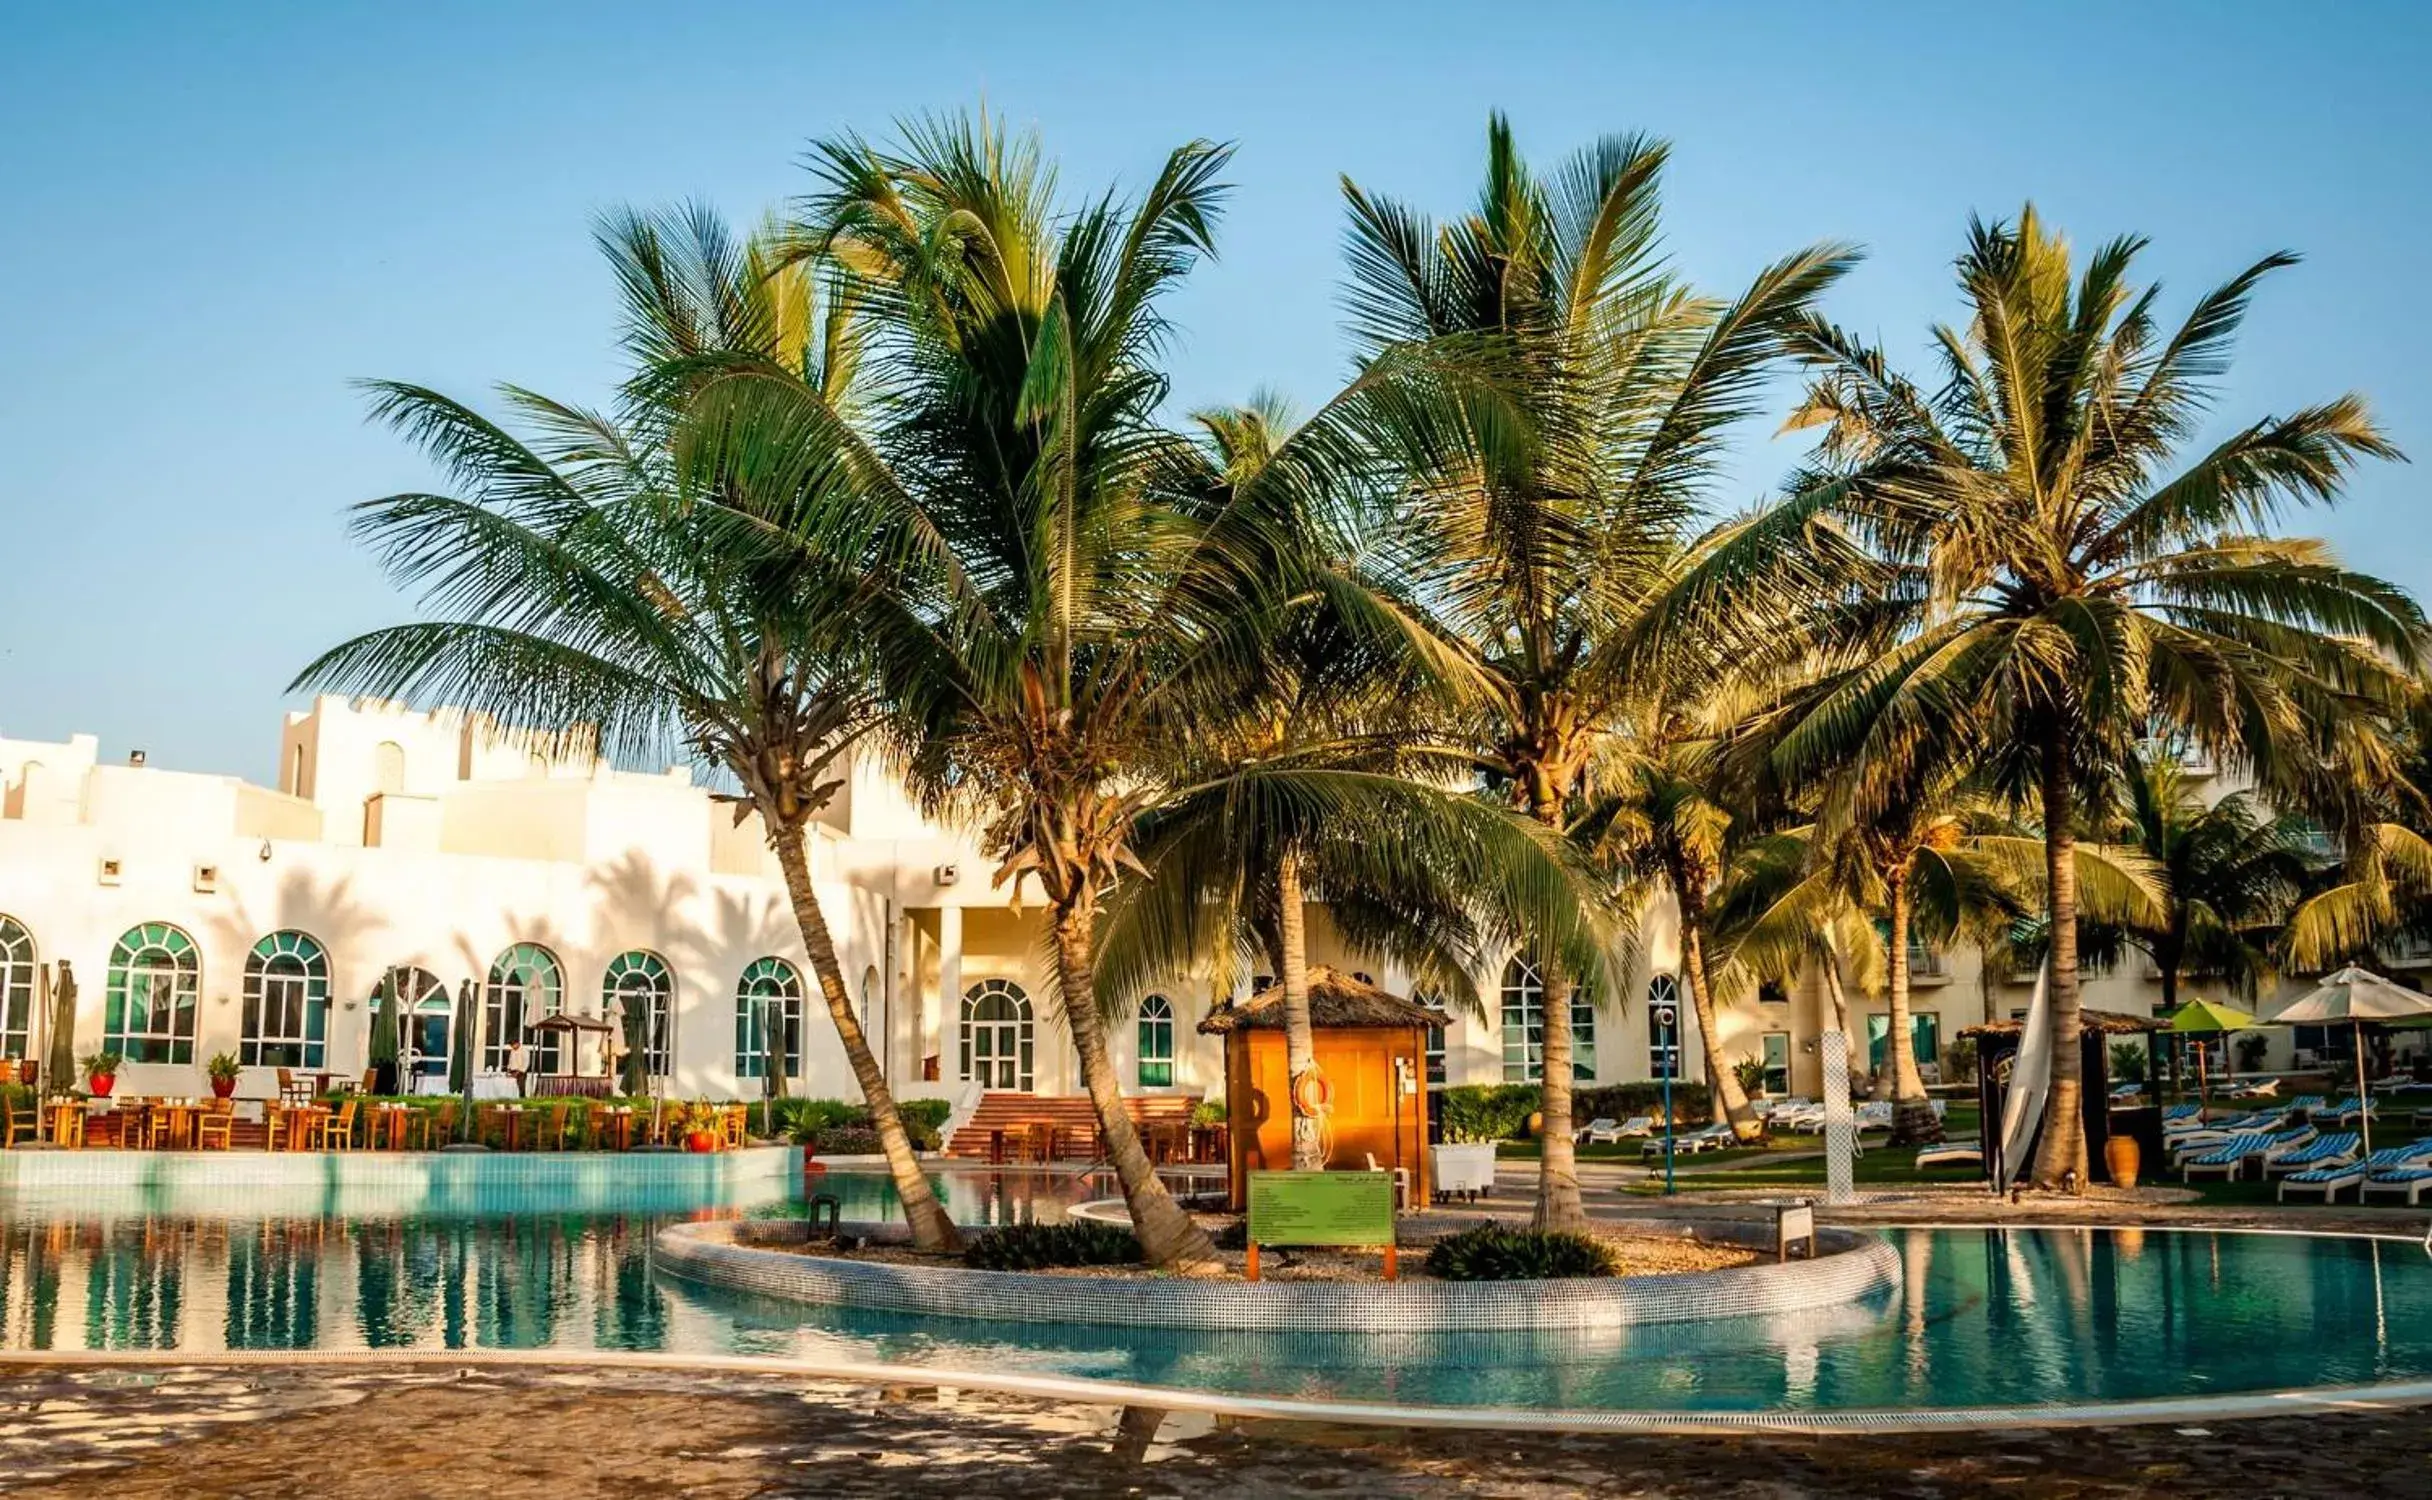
(1960, 1120)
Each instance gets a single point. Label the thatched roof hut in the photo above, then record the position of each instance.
(2108, 1022)
(1337, 1002)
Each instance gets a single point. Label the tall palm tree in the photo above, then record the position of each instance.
(1551, 532)
(1089, 610)
(2229, 873)
(2077, 581)
(578, 585)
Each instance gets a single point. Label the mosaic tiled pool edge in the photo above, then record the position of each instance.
(1856, 1266)
(2243, 1405)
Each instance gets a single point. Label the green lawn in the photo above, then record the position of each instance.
(1959, 1120)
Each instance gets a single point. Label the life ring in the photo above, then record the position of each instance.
(1311, 1093)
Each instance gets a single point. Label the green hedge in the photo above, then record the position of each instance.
(1500, 1111)
(842, 1127)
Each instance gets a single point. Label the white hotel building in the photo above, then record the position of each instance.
(203, 914)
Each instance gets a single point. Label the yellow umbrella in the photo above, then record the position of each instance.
(2202, 1016)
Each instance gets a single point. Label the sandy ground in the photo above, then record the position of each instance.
(499, 1436)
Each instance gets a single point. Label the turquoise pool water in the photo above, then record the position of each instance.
(1984, 1317)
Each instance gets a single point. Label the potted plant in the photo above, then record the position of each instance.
(101, 1073)
(701, 1133)
(222, 1070)
(1464, 1160)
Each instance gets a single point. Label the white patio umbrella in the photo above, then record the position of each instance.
(2353, 996)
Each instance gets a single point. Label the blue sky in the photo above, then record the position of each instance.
(219, 216)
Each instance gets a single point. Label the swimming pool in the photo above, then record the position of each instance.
(1984, 1317)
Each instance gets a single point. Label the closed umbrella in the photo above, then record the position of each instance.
(60, 1070)
(2354, 996)
(384, 1037)
(2200, 1017)
(460, 1054)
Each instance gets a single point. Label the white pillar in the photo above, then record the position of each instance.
(1840, 1126)
(949, 992)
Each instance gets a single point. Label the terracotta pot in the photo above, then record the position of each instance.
(701, 1141)
(221, 1088)
(2122, 1158)
(101, 1084)
(1536, 1125)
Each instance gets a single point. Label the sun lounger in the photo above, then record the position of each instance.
(2351, 1109)
(2323, 1150)
(2262, 1088)
(1952, 1154)
(2406, 1181)
(1605, 1133)
(2181, 1112)
(2227, 1159)
(1691, 1142)
(2305, 1106)
(2331, 1180)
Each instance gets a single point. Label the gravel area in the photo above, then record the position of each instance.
(352, 1435)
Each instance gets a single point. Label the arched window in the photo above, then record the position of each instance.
(388, 767)
(1156, 1043)
(1663, 1042)
(156, 973)
(16, 987)
(768, 1007)
(286, 1003)
(430, 1019)
(996, 1035)
(638, 983)
(869, 1000)
(525, 985)
(1524, 1026)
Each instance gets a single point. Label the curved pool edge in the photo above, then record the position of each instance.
(2304, 1401)
(728, 1255)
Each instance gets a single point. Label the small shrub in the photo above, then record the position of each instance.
(1034, 1247)
(1492, 1252)
(1207, 1112)
(1959, 1060)
(2127, 1062)
(1750, 1074)
(1474, 1112)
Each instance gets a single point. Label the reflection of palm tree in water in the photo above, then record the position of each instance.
(274, 1282)
(135, 1289)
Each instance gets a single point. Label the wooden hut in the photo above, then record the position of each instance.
(1997, 1047)
(1372, 1050)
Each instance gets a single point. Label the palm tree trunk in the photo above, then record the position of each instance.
(1167, 1235)
(1838, 999)
(1300, 1040)
(1730, 1100)
(1559, 1205)
(931, 1229)
(2063, 1150)
(1913, 1122)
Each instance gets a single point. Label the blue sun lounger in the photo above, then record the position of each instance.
(2331, 1180)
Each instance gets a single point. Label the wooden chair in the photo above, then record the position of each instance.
(550, 1134)
(338, 1131)
(737, 1120)
(24, 1124)
(133, 1118)
(294, 1091)
(217, 1123)
(424, 1126)
(68, 1126)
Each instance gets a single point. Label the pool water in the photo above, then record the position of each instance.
(1983, 1317)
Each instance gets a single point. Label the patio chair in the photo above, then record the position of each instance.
(2322, 1151)
(2179, 1112)
(1689, 1144)
(1600, 1126)
(2329, 1180)
(338, 1130)
(423, 1126)
(294, 1091)
(2306, 1106)
(2406, 1180)
(737, 1117)
(24, 1123)
(2351, 1109)
(2228, 1159)
(215, 1127)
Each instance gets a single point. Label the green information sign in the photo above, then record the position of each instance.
(1321, 1208)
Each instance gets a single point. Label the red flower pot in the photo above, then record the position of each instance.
(221, 1088)
(101, 1084)
(701, 1141)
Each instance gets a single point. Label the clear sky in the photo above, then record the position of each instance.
(218, 216)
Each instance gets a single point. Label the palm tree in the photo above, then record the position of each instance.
(577, 587)
(2069, 588)
(1089, 610)
(1550, 533)
(2229, 873)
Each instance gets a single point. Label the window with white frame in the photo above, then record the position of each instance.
(525, 986)
(768, 1019)
(1156, 1031)
(16, 987)
(156, 975)
(1435, 1035)
(286, 1003)
(430, 1019)
(1524, 1026)
(996, 1041)
(638, 993)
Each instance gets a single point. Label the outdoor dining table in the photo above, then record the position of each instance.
(619, 1122)
(384, 1129)
(179, 1114)
(303, 1123)
(68, 1120)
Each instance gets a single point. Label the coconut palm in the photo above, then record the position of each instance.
(2228, 873)
(2080, 578)
(578, 583)
(1090, 608)
(1551, 532)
